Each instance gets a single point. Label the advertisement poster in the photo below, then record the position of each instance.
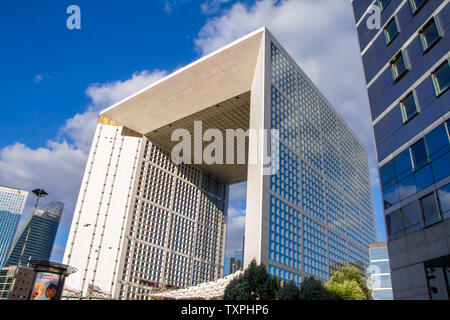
(45, 286)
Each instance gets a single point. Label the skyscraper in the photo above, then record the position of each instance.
(380, 272)
(309, 208)
(36, 236)
(12, 202)
(406, 63)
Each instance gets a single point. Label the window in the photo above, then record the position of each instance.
(398, 66)
(383, 4)
(437, 141)
(419, 154)
(441, 78)
(391, 30)
(403, 164)
(430, 210)
(444, 200)
(409, 107)
(411, 217)
(387, 173)
(429, 35)
(416, 4)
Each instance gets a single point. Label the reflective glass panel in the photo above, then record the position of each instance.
(430, 210)
(429, 35)
(444, 200)
(419, 154)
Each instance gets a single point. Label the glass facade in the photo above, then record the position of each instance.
(407, 82)
(36, 237)
(320, 200)
(12, 202)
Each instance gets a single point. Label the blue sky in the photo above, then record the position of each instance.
(54, 80)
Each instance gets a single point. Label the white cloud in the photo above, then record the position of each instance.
(58, 166)
(235, 230)
(46, 75)
(212, 6)
(103, 95)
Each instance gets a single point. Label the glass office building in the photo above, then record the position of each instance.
(320, 199)
(36, 236)
(12, 202)
(406, 63)
(379, 275)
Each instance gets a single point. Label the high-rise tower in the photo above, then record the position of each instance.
(36, 236)
(12, 202)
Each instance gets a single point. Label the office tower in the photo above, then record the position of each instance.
(12, 202)
(141, 222)
(406, 63)
(36, 236)
(309, 207)
(380, 272)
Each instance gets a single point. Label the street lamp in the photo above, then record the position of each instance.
(39, 193)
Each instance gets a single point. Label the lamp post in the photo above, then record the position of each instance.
(39, 193)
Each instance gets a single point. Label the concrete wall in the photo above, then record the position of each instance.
(408, 254)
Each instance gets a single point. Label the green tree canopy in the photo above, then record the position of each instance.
(349, 284)
(313, 289)
(254, 284)
(288, 291)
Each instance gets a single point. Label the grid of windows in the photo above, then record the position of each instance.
(335, 210)
(417, 167)
(284, 275)
(318, 150)
(285, 181)
(312, 193)
(337, 251)
(353, 223)
(332, 164)
(285, 118)
(285, 234)
(177, 227)
(311, 143)
(314, 249)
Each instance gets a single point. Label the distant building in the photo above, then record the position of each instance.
(12, 202)
(36, 237)
(235, 265)
(236, 261)
(380, 272)
(16, 284)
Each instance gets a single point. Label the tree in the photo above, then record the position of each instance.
(254, 284)
(234, 290)
(313, 289)
(289, 291)
(349, 284)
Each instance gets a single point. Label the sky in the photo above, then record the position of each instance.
(54, 81)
